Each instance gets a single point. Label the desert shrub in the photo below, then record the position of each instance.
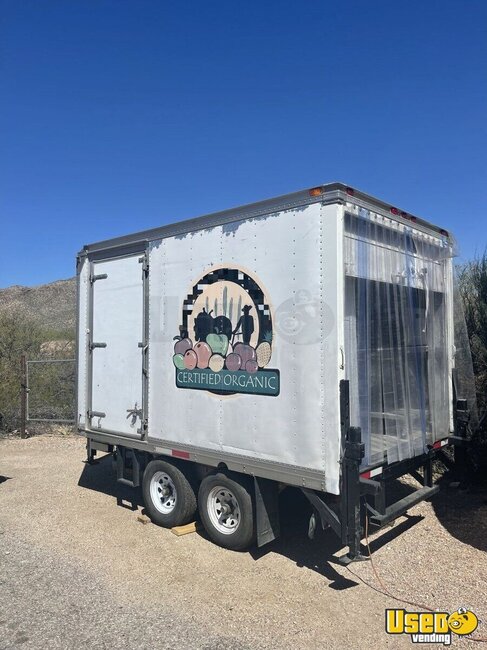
(473, 289)
(19, 335)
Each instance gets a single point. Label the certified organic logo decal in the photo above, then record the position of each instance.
(225, 336)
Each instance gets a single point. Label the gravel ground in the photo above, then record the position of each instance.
(76, 570)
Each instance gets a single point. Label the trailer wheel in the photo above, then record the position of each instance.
(169, 498)
(226, 510)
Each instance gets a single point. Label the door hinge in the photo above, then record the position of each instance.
(97, 345)
(144, 260)
(144, 347)
(101, 276)
(92, 415)
(96, 414)
(144, 425)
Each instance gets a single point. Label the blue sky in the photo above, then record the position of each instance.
(122, 115)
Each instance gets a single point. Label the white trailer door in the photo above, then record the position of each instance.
(116, 342)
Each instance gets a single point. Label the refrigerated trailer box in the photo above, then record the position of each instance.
(305, 340)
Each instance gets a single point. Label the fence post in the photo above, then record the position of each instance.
(23, 395)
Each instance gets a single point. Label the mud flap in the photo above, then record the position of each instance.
(267, 510)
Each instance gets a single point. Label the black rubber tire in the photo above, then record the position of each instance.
(244, 535)
(185, 507)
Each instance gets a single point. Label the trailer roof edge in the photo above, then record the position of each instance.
(327, 193)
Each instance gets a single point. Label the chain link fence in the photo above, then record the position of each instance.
(50, 389)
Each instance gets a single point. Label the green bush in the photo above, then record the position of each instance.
(473, 289)
(16, 336)
(19, 335)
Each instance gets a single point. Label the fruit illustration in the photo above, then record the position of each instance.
(190, 360)
(203, 353)
(246, 352)
(203, 325)
(182, 345)
(178, 361)
(251, 366)
(226, 343)
(233, 361)
(218, 343)
(222, 325)
(263, 352)
(216, 362)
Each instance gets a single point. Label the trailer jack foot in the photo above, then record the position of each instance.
(90, 454)
(91, 460)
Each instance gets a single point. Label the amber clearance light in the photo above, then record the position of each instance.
(316, 191)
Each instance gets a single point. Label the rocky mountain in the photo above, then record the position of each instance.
(52, 306)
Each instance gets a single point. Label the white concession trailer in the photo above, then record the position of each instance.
(305, 340)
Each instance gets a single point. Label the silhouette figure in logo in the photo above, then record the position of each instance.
(203, 325)
(246, 324)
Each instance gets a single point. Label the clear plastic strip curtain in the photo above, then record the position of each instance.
(397, 301)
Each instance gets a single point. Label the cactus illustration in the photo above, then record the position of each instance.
(207, 305)
(215, 309)
(230, 310)
(225, 295)
(239, 311)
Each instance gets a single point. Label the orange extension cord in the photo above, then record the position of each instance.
(386, 592)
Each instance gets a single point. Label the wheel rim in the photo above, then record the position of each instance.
(163, 492)
(223, 510)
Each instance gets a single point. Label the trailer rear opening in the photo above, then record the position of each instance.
(306, 341)
(399, 327)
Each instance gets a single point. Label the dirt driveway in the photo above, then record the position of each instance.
(78, 570)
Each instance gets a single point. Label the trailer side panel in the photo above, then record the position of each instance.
(267, 284)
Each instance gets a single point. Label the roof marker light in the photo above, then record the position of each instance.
(394, 211)
(444, 233)
(407, 216)
(350, 190)
(316, 191)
